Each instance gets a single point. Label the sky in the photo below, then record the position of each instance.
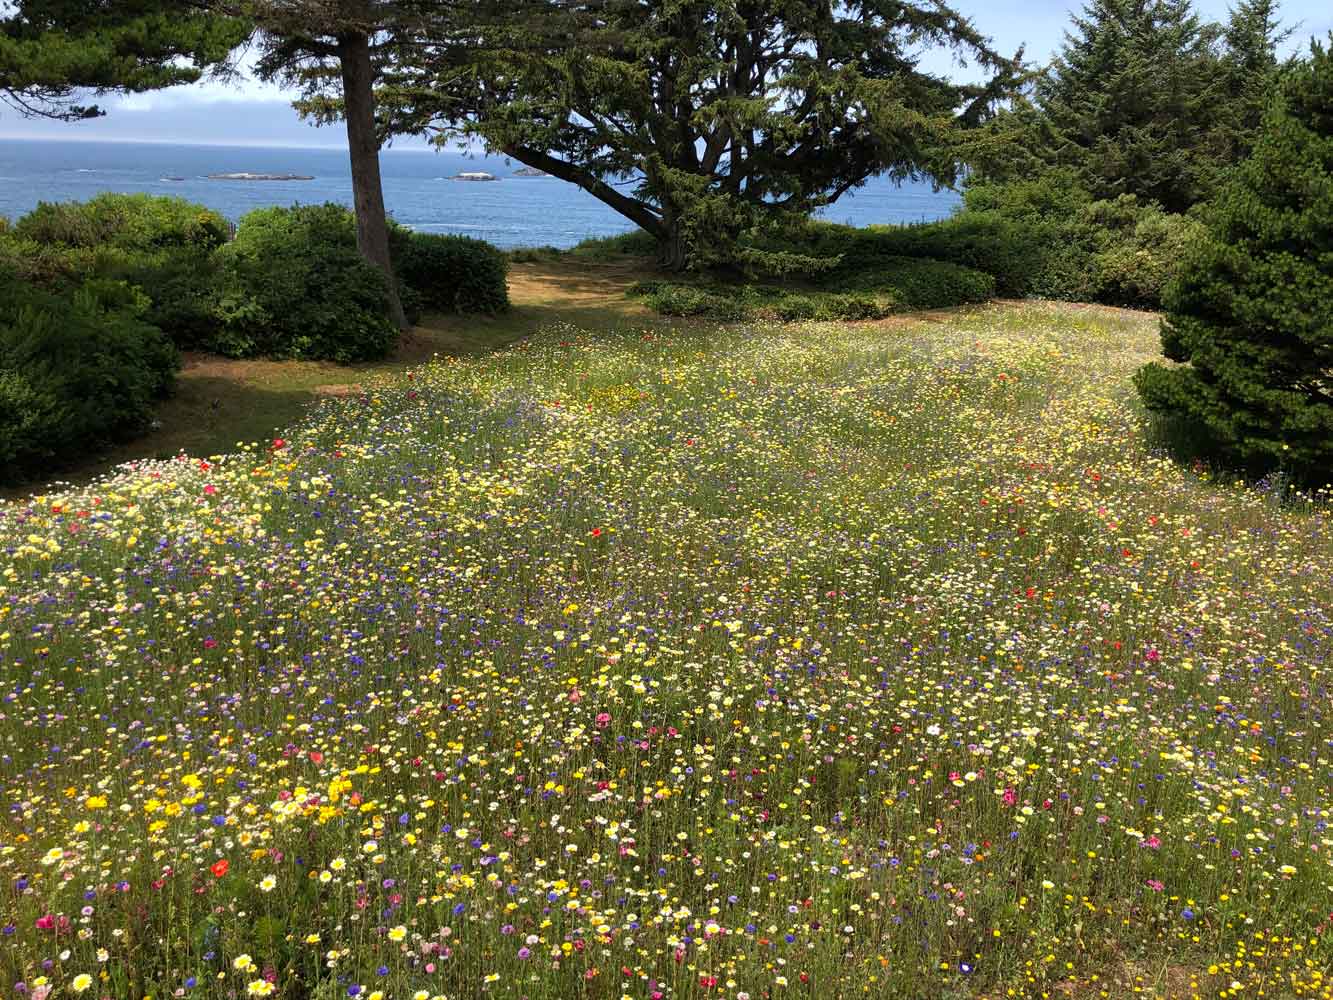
(250, 113)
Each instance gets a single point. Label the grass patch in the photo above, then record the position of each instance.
(896, 653)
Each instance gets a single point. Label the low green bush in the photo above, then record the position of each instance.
(1043, 237)
(890, 285)
(128, 221)
(1058, 243)
(635, 243)
(77, 371)
(990, 245)
(671, 299)
(1142, 251)
(914, 283)
(55, 265)
(164, 246)
(534, 255)
(292, 285)
(183, 292)
(452, 273)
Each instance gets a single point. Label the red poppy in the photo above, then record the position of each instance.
(219, 868)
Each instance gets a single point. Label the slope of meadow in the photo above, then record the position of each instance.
(824, 661)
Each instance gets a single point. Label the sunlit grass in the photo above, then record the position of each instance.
(835, 661)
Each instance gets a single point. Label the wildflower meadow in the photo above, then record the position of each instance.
(885, 660)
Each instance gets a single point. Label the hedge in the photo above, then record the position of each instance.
(128, 221)
(292, 284)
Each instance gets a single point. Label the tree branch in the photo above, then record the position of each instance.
(636, 211)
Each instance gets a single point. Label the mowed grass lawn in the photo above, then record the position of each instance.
(878, 660)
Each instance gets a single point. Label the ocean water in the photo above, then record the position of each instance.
(418, 189)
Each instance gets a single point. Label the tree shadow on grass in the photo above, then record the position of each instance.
(220, 402)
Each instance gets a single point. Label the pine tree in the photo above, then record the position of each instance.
(1128, 100)
(1250, 68)
(1249, 316)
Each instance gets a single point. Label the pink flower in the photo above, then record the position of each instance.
(603, 719)
(1010, 796)
(46, 923)
(1153, 842)
(1155, 886)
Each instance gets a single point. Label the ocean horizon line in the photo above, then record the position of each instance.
(199, 144)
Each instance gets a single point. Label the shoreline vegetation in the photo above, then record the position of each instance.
(743, 607)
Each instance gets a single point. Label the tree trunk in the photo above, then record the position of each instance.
(372, 227)
(672, 254)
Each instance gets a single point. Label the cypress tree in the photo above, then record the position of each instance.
(704, 122)
(53, 51)
(1249, 316)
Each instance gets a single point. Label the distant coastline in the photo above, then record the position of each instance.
(245, 175)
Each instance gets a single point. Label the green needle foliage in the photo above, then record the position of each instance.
(1250, 67)
(1249, 316)
(54, 51)
(1128, 101)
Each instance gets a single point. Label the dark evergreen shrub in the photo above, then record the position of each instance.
(76, 371)
(1249, 319)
